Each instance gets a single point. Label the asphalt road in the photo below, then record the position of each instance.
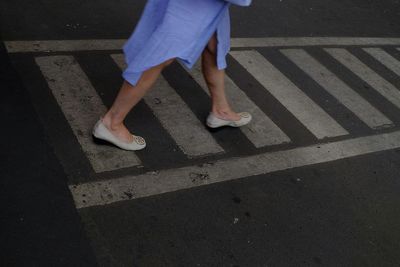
(324, 194)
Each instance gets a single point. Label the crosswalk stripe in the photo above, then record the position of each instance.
(313, 117)
(160, 182)
(311, 41)
(82, 106)
(385, 58)
(262, 131)
(187, 130)
(385, 88)
(336, 87)
(116, 44)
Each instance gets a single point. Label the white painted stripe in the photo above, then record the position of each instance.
(385, 58)
(262, 131)
(313, 117)
(187, 130)
(116, 44)
(82, 107)
(311, 41)
(385, 88)
(63, 45)
(159, 182)
(337, 88)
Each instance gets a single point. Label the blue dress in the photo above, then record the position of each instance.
(176, 29)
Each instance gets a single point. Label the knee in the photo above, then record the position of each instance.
(211, 49)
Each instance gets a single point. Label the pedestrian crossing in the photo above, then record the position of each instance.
(384, 58)
(262, 131)
(155, 183)
(309, 113)
(82, 105)
(174, 114)
(377, 82)
(348, 97)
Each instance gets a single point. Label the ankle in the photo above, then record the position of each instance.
(111, 124)
(221, 111)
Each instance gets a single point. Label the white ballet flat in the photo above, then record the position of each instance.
(214, 122)
(100, 131)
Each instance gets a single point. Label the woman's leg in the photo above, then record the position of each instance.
(215, 80)
(128, 96)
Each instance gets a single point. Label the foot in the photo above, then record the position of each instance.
(215, 122)
(226, 114)
(100, 131)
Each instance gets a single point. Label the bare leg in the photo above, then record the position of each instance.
(127, 98)
(215, 80)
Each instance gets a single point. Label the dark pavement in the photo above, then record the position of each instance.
(338, 213)
(40, 224)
